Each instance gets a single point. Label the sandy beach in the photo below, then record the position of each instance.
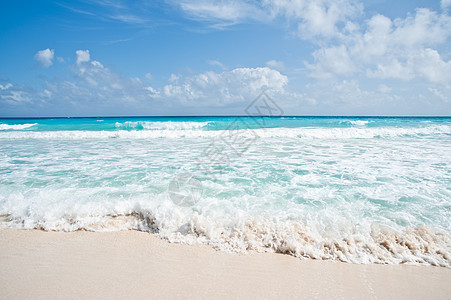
(128, 264)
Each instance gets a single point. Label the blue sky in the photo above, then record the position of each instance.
(317, 57)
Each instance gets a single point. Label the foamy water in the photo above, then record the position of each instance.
(16, 126)
(361, 190)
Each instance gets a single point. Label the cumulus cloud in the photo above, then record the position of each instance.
(45, 57)
(390, 49)
(97, 88)
(93, 75)
(423, 63)
(82, 56)
(219, 89)
(379, 47)
(331, 61)
(316, 18)
(95, 85)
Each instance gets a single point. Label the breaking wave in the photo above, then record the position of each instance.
(183, 130)
(16, 127)
(366, 243)
(169, 125)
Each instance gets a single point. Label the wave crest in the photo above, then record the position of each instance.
(16, 126)
(169, 125)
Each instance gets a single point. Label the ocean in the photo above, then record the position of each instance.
(353, 189)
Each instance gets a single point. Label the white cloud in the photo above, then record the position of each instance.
(82, 56)
(152, 92)
(220, 89)
(423, 63)
(425, 27)
(128, 18)
(331, 61)
(318, 17)
(45, 57)
(389, 49)
(97, 64)
(313, 17)
(119, 11)
(379, 47)
(348, 97)
(219, 11)
(445, 4)
(46, 93)
(94, 86)
(95, 74)
(16, 97)
(384, 89)
(97, 86)
(391, 69)
(217, 63)
(174, 78)
(443, 94)
(6, 86)
(274, 64)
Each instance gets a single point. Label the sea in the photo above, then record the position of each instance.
(352, 189)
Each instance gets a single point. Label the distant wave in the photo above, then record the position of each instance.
(359, 122)
(304, 133)
(16, 126)
(355, 122)
(146, 125)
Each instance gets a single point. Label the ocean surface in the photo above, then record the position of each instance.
(354, 189)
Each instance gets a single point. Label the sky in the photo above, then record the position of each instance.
(149, 58)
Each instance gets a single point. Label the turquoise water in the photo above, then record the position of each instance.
(356, 189)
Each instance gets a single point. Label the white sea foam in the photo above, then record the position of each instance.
(359, 122)
(16, 126)
(317, 236)
(309, 133)
(168, 125)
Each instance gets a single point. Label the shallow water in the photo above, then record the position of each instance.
(362, 190)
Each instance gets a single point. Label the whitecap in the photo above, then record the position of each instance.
(16, 126)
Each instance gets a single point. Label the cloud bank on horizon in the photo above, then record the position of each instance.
(320, 57)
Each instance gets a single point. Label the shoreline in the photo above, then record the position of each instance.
(39, 264)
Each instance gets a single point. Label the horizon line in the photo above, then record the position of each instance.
(222, 116)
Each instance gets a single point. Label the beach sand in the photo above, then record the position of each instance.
(128, 264)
